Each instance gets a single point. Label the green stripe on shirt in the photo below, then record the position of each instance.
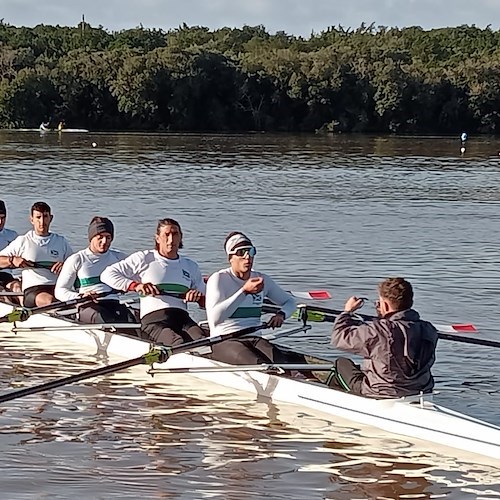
(172, 287)
(94, 280)
(247, 312)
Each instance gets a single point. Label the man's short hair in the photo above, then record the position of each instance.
(40, 206)
(398, 292)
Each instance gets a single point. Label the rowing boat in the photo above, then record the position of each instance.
(416, 418)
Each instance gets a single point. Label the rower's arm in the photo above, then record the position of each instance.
(13, 249)
(198, 283)
(65, 285)
(352, 335)
(220, 307)
(122, 274)
(279, 297)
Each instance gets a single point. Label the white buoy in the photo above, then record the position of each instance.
(94, 144)
(462, 150)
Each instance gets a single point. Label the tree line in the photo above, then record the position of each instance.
(370, 79)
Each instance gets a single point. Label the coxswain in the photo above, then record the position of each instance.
(398, 347)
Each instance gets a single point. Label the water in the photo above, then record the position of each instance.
(339, 213)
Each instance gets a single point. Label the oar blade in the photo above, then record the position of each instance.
(312, 294)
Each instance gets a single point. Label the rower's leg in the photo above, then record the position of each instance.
(39, 295)
(346, 376)
(158, 333)
(194, 330)
(15, 286)
(238, 352)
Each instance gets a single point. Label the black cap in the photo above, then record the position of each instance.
(100, 225)
(3, 208)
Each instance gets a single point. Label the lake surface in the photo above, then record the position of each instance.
(338, 212)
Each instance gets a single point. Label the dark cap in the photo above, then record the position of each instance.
(3, 208)
(100, 225)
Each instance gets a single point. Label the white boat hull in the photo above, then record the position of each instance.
(413, 418)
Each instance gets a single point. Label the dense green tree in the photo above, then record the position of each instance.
(191, 78)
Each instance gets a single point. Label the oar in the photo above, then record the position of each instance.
(157, 355)
(312, 294)
(322, 314)
(264, 367)
(23, 313)
(307, 295)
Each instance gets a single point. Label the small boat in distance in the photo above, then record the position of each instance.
(47, 130)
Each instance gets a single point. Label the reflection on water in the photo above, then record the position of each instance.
(335, 212)
(128, 436)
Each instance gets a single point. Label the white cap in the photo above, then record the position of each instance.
(236, 239)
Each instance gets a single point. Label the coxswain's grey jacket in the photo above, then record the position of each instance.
(398, 352)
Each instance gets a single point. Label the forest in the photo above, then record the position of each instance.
(369, 79)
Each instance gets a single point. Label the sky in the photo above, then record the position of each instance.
(297, 17)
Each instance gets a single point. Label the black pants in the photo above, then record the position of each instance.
(170, 327)
(105, 311)
(252, 351)
(346, 376)
(31, 293)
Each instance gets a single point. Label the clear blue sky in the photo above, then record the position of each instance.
(298, 17)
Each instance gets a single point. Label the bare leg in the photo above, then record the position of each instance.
(15, 286)
(44, 299)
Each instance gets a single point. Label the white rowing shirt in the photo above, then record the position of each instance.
(7, 236)
(230, 309)
(82, 271)
(170, 275)
(43, 250)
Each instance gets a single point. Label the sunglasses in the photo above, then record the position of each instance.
(241, 252)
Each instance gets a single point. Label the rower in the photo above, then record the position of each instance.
(165, 282)
(44, 127)
(398, 348)
(40, 254)
(7, 236)
(234, 301)
(83, 269)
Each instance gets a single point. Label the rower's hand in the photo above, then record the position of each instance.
(353, 304)
(19, 262)
(147, 289)
(253, 285)
(56, 267)
(92, 296)
(276, 321)
(193, 296)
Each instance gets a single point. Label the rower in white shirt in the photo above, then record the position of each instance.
(234, 302)
(7, 236)
(166, 282)
(81, 276)
(40, 254)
